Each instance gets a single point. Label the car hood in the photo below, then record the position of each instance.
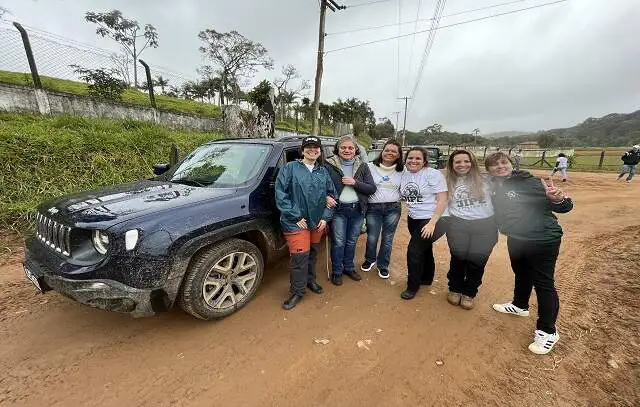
(122, 202)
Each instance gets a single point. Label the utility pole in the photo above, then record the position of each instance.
(333, 6)
(397, 117)
(404, 126)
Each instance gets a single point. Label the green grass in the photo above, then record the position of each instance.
(43, 157)
(130, 96)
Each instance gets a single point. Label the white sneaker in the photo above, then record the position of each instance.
(543, 342)
(509, 308)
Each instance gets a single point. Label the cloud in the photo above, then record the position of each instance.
(544, 68)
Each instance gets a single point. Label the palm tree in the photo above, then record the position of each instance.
(162, 82)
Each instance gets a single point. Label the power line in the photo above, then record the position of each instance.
(435, 23)
(413, 41)
(377, 27)
(446, 26)
(399, 2)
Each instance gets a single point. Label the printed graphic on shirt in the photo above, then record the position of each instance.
(463, 200)
(512, 195)
(411, 193)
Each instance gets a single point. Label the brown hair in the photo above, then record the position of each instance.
(493, 158)
(475, 179)
(425, 155)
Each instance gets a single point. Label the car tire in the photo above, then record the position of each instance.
(222, 279)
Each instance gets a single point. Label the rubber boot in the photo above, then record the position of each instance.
(298, 279)
(311, 275)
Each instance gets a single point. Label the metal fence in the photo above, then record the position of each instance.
(37, 54)
(606, 159)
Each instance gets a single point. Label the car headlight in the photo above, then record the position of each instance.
(100, 241)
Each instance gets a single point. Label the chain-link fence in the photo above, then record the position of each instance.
(57, 57)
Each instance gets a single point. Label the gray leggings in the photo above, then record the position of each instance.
(631, 169)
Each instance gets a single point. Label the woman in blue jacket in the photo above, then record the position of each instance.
(354, 183)
(302, 189)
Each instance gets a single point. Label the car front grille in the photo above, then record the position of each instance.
(54, 234)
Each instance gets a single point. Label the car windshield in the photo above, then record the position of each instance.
(221, 165)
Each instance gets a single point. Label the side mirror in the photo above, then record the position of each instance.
(160, 169)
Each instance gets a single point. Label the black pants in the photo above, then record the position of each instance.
(534, 266)
(470, 243)
(421, 265)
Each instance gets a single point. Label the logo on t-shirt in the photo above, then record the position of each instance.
(464, 200)
(411, 193)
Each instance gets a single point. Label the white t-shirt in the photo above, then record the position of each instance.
(562, 162)
(309, 166)
(462, 204)
(387, 183)
(419, 191)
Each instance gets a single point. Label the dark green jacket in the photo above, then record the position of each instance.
(523, 211)
(302, 194)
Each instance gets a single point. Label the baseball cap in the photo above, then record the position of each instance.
(311, 141)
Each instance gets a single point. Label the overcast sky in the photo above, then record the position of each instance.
(543, 68)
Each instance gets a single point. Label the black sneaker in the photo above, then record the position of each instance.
(383, 273)
(367, 266)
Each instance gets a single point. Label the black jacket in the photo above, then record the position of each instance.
(365, 185)
(523, 211)
(631, 157)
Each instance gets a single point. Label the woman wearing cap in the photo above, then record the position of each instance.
(302, 188)
(524, 207)
(354, 184)
(424, 190)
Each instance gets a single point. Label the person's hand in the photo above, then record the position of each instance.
(331, 202)
(348, 181)
(427, 230)
(322, 225)
(554, 193)
(302, 223)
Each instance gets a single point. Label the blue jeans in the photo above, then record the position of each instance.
(381, 217)
(345, 229)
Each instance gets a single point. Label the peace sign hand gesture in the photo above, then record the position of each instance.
(554, 193)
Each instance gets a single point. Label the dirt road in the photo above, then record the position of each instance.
(56, 352)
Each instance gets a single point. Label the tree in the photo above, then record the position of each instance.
(125, 32)
(122, 65)
(546, 139)
(102, 83)
(384, 129)
(162, 82)
(233, 54)
(284, 95)
(260, 94)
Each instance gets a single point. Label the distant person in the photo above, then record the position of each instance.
(353, 183)
(424, 190)
(524, 207)
(562, 163)
(518, 159)
(471, 229)
(383, 211)
(630, 159)
(302, 188)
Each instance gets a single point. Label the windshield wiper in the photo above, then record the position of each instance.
(187, 181)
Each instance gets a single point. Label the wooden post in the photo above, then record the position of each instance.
(601, 159)
(544, 153)
(174, 157)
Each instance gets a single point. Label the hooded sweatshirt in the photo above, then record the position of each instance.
(523, 211)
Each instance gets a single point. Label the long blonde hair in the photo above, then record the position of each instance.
(475, 179)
